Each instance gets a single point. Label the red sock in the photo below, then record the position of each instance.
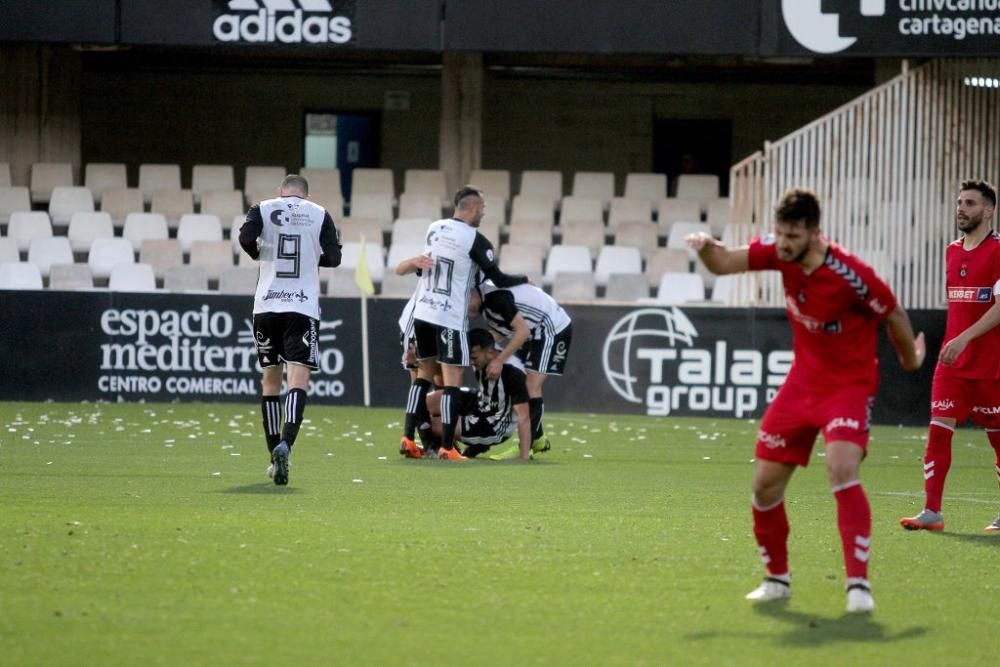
(994, 437)
(937, 461)
(854, 518)
(770, 527)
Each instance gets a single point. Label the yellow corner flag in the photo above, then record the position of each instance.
(362, 277)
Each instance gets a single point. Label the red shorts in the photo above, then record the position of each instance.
(965, 398)
(797, 415)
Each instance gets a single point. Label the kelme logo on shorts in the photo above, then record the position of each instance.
(284, 21)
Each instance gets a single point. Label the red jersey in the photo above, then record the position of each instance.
(972, 278)
(834, 312)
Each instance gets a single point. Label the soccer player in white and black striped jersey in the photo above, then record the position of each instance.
(535, 328)
(440, 313)
(291, 237)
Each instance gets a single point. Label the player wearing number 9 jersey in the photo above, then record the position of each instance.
(440, 313)
(291, 237)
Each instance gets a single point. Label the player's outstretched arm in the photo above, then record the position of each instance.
(954, 347)
(523, 430)
(910, 350)
(717, 258)
(411, 264)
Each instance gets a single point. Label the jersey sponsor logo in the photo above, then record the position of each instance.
(987, 409)
(970, 294)
(283, 21)
(843, 422)
(878, 306)
(278, 217)
(653, 357)
(489, 254)
(443, 305)
(771, 440)
(946, 404)
(284, 296)
(559, 354)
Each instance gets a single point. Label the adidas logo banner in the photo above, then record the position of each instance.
(286, 22)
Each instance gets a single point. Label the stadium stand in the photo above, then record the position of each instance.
(226, 204)
(173, 204)
(153, 177)
(495, 184)
(185, 278)
(372, 181)
(207, 177)
(579, 208)
(161, 254)
(698, 187)
(64, 201)
(27, 225)
(141, 226)
(352, 229)
(20, 275)
(102, 176)
(46, 251)
(213, 256)
(106, 253)
(198, 227)
(646, 186)
(531, 232)
(589, 233)
(425, 182)
(70, 277)
(132, 278)
(679, 230)
(641, 235)
(574, 286)
(373, 253)
(670, 210)
(262, 182)
(626, 287)
(571, 258)
(46, 176)
(410, 230)
(419, 205)
(533, 207)
(121, 202)
(598, 185)
(625, 209)
(718, 214)
(84, 227)
(238, 280)
(666, 260)
(616, 259)
(547, 184)
(13, 199)
(527, 260)
(373, 205)
(4, 174)
(9, 251)
(679, 288)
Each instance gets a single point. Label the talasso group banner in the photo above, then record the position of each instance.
(659, 361)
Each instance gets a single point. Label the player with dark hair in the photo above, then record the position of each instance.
(834, 303)
(967, 376)
(440, 314)
(532, 325)
(292, 237)
(497, 410)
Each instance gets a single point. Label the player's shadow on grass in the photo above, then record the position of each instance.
(986, 539)
(268, 488)
(812, 630)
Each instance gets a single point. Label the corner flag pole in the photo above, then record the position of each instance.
(363, 279)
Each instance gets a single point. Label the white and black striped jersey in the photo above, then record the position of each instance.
(459, 253)
(498, 397)
(501, 306)
(296, 238)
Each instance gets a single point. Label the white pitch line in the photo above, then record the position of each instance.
(951, 499)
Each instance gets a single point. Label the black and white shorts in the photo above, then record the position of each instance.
(477, 430)
(546, 353)
(291, 338)
(450, 346)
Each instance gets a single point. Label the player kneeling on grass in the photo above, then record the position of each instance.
(835, 303)
(491, 415)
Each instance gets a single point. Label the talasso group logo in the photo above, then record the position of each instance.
(283, 21)
(819, 31)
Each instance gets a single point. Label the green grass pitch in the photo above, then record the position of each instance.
(148, 534)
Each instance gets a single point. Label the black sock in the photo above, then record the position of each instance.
(270, 408)
(451, 405)
(416, 407)
(536, 409)
(295, 406)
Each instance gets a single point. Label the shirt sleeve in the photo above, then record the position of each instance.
(329, 241)
(251, 230)
(501, 306)
(879, 298)
(763, 253)
(482, 254)
(513, 379)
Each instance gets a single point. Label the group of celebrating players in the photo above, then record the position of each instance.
(835, 304)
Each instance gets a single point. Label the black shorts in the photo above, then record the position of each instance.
(546, 353)
(449, 345)
(477, 430)
(291, 338)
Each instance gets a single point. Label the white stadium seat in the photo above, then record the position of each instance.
(85, 227)
(132, 278)
(20, 275)
(106, 253)
(46, 251)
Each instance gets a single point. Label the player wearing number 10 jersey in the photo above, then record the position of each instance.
(967, 377)
(835, 304)
(291, 237)
(455, 254)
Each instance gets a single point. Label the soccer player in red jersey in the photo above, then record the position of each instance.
(835, 303)
(966, 377)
